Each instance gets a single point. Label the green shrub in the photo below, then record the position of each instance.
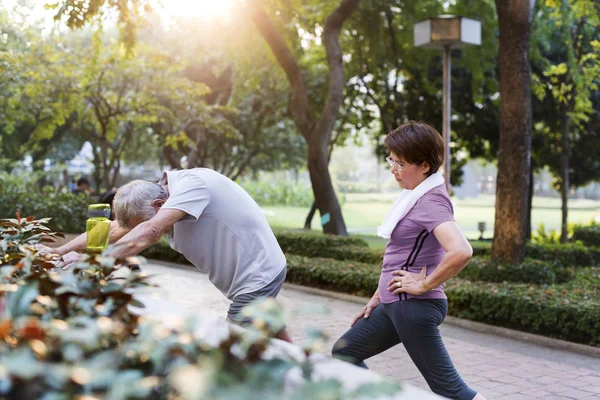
(569, 254)
(543, 236)
(319, 240)
(304, 244)
(354, 252)
(353, 248)
(589, 235)
(482, 251)
(328, 246)
(348, 277)
(530, 271)
(23, 193)
(554, 312)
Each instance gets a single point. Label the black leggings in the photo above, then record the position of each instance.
(414, 323)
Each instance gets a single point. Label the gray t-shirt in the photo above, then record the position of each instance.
(225, 233)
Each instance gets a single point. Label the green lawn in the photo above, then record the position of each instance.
(364, 212)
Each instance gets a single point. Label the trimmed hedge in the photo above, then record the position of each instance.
(536, 309)
(306, 244)
(565, 254)
(549, 312)
(570, 254)
(356, 278)
(479, 268)
(530, 271)
(356, 249)
(317, 239)
(328, 246)
(349, 248)
(589, 235)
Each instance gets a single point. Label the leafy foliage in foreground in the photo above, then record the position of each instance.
(65, 334)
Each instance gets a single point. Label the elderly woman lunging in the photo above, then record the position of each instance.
(426, 248)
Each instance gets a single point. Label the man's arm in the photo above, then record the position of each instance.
(79, 243)
(147, 233)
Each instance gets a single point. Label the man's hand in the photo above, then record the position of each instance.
(68, 259)
(366, 310)
(43, 250)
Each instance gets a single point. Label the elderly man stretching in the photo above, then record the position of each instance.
(209, 219)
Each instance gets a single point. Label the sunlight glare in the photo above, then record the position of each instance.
(197, 8)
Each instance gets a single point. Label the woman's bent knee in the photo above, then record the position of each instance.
(340, 348)
(343, 352)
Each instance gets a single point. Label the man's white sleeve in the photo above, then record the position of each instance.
(189, 194)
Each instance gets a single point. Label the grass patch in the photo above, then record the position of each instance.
(363, 213)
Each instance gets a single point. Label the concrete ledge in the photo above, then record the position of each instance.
(471, 325)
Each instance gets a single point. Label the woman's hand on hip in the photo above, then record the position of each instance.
(366, 310)
(407, 282)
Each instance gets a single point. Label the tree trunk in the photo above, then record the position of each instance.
(564, 172)
(115, 175)
(167, 152)
(528, 227)
(313, 207)
(325, 197)
(514, 22)
(316, 133)
(105, 163)
(310, 216)
(97, 174)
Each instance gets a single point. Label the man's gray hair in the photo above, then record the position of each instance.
(135, 200)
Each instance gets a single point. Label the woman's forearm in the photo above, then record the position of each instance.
(452, 263)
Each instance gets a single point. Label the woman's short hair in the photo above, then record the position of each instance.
(416, 143)
(135, 200)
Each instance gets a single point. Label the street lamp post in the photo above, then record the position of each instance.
(447, 32)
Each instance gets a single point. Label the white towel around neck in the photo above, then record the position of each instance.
(405, 202)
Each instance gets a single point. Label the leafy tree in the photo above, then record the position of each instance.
(239, 123)
(567, 75)
(118, 94)
(76, 14)
(399, 82)
(316, 131)
(38, 89)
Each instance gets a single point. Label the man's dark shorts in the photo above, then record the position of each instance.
(234, 314)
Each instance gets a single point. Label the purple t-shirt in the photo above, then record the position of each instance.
(413, 245)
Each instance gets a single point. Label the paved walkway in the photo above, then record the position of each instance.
(497, 367)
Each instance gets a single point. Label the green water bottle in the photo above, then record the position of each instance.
(97, 227)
